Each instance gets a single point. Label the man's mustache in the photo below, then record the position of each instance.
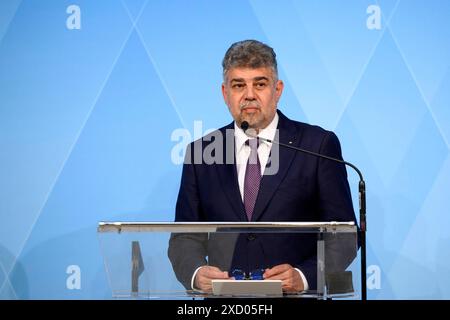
(252, 104)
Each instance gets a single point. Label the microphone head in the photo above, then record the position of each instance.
(244, 125)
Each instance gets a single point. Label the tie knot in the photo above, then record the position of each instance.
(253, 143)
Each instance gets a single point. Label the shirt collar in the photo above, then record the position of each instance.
(267, 133)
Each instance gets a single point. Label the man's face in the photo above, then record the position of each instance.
(252, 95)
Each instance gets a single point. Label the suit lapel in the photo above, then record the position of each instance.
(287, 134)
(228, 174)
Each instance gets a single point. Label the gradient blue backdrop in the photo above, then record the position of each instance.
(86, 118)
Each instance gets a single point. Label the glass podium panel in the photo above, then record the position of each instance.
(157, 260)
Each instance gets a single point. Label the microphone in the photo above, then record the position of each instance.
(362, 199)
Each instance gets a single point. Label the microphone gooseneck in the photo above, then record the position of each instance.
(362, 199)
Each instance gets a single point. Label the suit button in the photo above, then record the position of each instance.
(251, 237)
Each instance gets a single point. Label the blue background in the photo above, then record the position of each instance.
(86, 118)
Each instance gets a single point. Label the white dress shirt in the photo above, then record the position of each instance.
(242, 154)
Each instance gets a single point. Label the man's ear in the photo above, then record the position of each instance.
(224, 93)
(279, 89)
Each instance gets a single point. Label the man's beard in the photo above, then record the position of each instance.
(254, 119)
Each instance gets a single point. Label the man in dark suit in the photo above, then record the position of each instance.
(247, 179)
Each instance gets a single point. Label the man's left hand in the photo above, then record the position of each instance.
(291, 279)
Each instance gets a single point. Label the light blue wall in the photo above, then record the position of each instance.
(86, 118)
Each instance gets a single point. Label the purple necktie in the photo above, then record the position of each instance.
(252, 178)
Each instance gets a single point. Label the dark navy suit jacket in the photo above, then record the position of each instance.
(305, 188)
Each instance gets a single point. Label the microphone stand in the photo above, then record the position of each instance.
(362, 204)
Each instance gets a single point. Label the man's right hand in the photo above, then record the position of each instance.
(204, 276)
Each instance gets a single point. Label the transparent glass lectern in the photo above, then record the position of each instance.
(151, 260)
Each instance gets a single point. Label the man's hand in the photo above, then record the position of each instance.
(291, 279)
(204, 276)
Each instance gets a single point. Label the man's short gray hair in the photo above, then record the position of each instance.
(250, 54)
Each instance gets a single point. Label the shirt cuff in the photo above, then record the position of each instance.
(193, 279)
(305, 282)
